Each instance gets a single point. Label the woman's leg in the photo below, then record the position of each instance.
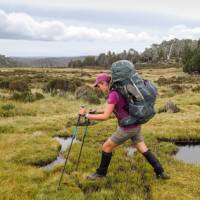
(141, 147)
(117, 138)
(106, 156)
(109, 145)
(150, 157)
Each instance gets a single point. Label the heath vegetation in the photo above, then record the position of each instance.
(31, 117)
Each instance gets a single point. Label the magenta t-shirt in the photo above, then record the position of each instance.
(116, 98)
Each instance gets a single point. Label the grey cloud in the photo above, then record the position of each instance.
(23, 26)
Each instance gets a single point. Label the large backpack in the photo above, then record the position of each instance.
(140, 94)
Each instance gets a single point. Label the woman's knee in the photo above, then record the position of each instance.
(141, 147)
(108, 146)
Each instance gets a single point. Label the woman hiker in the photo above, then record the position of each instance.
(115, 103)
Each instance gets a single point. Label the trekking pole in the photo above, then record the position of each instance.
(73, 137)
(85, 132)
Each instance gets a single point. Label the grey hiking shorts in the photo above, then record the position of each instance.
(122, 135)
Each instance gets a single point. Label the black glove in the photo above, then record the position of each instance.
(92, 111)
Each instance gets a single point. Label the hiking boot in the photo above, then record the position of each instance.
(95, 176)
(162, 176)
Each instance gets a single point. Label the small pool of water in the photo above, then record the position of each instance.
(130, 151)
(65, 143)
(59, 160)
(189, 153)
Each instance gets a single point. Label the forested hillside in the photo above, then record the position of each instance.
(167, 52)
(174, 52)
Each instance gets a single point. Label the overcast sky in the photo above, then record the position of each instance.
(85, 27)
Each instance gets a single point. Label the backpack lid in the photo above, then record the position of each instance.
(121, 70)
(124, 63)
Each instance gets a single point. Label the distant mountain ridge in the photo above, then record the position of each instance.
(46, 61)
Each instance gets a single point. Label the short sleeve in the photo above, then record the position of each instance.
(113, 98)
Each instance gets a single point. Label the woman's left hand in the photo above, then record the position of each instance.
(82, 111)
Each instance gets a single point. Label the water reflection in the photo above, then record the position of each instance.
(189, 153)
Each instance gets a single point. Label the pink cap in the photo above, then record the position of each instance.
(102, 77)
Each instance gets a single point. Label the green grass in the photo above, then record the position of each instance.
(26, 142)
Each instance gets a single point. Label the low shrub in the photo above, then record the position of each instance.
(8, 107)
(93, 99)
(83, 91)
(64, 85)
(6, 129)
(26, 96)
(7, 110)
(39, 96)
(178, 80)
(177, 88)
(88, 94)
(196, 89)
(162, 81)
(4, 84)
(20, 86)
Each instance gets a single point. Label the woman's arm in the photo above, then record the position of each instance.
(94, 111)
(105, 115)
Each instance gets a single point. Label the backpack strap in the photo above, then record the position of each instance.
(113, 89)
(126, 106)
(133, 89)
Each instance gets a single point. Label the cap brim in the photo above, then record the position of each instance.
(94, 85)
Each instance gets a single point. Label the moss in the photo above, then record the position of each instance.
(25, 149)
(18, 181)
(6, 129)
(13, 109)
